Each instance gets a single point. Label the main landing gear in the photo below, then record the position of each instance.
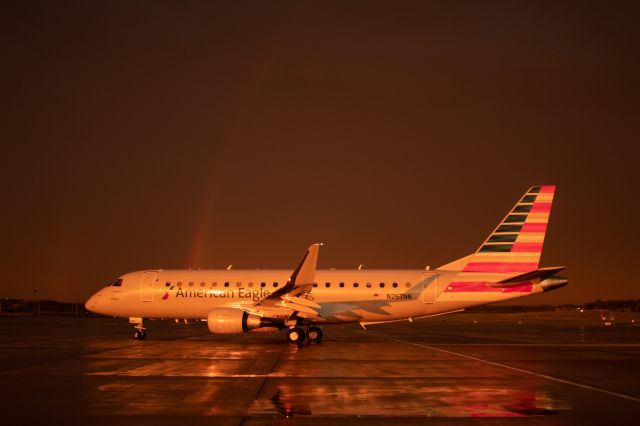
(296, 335)
(314, 334)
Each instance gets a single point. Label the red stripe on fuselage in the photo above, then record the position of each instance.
(526, 287)
(473, 286)
(482, 287)
(547, 189)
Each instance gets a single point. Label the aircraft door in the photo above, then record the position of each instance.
(429, 287)
(146, 286)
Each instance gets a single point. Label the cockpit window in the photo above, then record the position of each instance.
(117, 283)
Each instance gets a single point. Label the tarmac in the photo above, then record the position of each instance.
(541, 368)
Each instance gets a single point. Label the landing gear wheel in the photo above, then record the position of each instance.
(314, 334)
(295, 335)
(139, 334)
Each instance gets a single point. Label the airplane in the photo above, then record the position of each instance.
(505, 266)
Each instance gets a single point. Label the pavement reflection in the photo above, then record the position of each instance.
(188, 372)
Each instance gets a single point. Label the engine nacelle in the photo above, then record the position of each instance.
(231, 321)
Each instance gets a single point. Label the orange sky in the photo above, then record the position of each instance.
(175, 134)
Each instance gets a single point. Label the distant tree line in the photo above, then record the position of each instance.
(615, 305)
(611, 305)
(20, 307)
(512, 308)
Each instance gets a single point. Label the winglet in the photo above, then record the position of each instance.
(305, 273)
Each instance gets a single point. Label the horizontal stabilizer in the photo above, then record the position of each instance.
(540, 274)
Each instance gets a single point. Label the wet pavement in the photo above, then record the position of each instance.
(463, 368)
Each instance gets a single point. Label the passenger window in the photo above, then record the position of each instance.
(179, 284)
(368, 285)
(214, 284)
(263, 284)
(356, 284)
(238, 284)
(167, 284)
(408, 285)
(226, 284)
(315, 284)
(381, 285)
(395, 285)
(341, 284)
(275, 284)
(250, 284)
(202, 284)
(327, 285)
(191, 284)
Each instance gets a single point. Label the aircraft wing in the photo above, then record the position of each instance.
(294, 296)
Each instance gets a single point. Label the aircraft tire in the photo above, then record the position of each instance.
(140, 335)
(314, 334)
(295, 335)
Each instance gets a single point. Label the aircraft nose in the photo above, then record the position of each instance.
(91, 303)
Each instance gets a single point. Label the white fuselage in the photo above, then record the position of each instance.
(505, 266)
(365, 296)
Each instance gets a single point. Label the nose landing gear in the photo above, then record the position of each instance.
(140, 332)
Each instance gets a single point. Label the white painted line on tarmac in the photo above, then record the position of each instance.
(551, 345)
(223, 376)
(508, 367)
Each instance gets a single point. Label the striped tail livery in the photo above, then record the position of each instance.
(508, 260)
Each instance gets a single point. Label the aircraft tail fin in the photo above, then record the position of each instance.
(456, 265)
(515, 245)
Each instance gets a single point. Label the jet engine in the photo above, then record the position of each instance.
(231, 320)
